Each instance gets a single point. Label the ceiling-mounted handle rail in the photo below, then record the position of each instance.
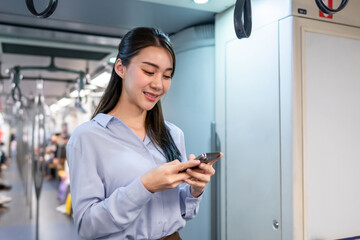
(44, 14)
(51, 68)
(325, 9)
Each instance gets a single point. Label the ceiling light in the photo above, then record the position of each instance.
(91, 87)
(112, 59)
(54, 107)
(101, 80)
(200, 1)
(64, 102)
(96, 94)
(83, 93)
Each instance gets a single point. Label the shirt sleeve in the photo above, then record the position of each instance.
(189, 205)
(94, 215)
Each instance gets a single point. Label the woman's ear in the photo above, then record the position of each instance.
(119, 68)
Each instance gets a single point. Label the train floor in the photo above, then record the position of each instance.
(15, 220)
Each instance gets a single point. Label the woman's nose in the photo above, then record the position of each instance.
(157, 82)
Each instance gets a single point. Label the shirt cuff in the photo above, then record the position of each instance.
(137, 193)
(189, 195)
(192, 203)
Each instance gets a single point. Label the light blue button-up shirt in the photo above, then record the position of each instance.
(106, 160)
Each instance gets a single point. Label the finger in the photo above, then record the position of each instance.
(177, 183)
(195, 183)
(185, 165)
(191, 156)
(198, 170)
(207, 169)
(175, 162)
(199, 176)
(213, 161)
(182, 176)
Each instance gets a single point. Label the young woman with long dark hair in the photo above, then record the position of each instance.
(127, 164)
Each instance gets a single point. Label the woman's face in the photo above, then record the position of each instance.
(146, 78)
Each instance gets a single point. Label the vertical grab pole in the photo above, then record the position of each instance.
(215, 187)
(38, 145)
(30, 167)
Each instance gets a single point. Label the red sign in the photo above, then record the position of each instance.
(328, 3)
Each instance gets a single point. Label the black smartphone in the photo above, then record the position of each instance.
(206, 158)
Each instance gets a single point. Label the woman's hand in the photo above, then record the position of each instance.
(167, 176)
(200, 177)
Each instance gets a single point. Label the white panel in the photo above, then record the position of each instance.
(224, 31)
(332, 136)
(287, 96)
(190, 105)
(252, 136)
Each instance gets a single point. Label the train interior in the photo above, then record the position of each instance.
(272, 84)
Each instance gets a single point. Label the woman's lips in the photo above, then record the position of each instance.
(150, 96)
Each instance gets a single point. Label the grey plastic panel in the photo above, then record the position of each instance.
(252, 136)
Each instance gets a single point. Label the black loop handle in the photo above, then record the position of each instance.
(13, 93)
(327, 10)
(44, 14)
(242, 29)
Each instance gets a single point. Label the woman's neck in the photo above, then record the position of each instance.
(132, 116)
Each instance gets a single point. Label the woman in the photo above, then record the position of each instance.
(127, 164)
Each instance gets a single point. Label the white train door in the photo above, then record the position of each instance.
(331, 130)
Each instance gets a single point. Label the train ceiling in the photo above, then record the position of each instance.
(90, 27)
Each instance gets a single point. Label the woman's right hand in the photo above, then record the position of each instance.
(167, 176)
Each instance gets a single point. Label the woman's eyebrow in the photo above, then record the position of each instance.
(156, 66)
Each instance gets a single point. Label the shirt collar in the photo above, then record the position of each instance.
(103, 119)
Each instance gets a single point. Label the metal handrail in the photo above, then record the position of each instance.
(51, 68)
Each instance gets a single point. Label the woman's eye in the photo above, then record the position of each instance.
(167, 77)
(148, 73)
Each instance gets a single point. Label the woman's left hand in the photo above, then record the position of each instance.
(200, 177)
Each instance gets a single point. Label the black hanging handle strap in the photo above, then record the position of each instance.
(44, 14)
(327, 10)
(242, 28)
(15, 86)
(16, 93)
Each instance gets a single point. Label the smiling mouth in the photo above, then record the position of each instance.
(150, 96)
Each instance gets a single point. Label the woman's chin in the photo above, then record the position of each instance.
(148, 107)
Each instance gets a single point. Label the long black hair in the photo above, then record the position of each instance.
(130, 46)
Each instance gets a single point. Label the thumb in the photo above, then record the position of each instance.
(185, 165)
(191, 157)
(174, 162)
